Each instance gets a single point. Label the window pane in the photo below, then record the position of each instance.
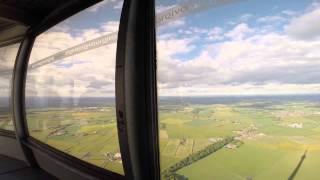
(70, 90)
(239, 89)
(7, 58)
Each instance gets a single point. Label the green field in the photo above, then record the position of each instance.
(89, 134)
(275, 138)
(6, 121)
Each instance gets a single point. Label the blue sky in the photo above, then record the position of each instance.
(248, 47)
(225, 17)
(90, 73)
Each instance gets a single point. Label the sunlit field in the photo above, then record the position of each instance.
(6, 121)
(233, 138)
(275, 137)
(88, 133)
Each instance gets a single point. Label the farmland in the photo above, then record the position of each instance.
(275, 136)
(88, 133)
(6, 121)
(270, 137)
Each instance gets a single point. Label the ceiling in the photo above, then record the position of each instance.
(16, 16)
(32, 10)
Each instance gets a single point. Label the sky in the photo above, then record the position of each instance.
(249, 47)
(246, 48)
(88, 74)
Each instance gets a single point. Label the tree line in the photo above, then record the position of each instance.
(170, 173)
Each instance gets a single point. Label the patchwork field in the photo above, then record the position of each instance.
(89, 134)
(276, 138)
(6, 121)
(269, 139)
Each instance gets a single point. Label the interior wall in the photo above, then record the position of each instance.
(58, 169)
(11, 147)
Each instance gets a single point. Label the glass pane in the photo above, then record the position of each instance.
(70, 90)
(7, 58)
(239, 89)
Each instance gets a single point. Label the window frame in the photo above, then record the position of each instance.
(136, 91)
(29, 144)
(141, 153)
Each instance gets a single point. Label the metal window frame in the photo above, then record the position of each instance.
(136, 91)
(28, 144)
(134, 81)
(19, 77)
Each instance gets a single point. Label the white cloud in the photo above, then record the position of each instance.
(198, 30)
(271, 19)
(172, 25)
(215, 33)
(7, 59)
(89, 73)
(243, 89)
(4, 87)
(288, 12)
(118, 5)
(245, 17)
(239, 32)
(306, 26)
(7, 56)
(161, 8)
(251, 61)
(110, 27)
(166, 50)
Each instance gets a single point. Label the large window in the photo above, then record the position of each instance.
(70, 89)
(239, 88)
(7, 58)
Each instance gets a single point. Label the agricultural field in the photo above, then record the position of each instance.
(6, 121)
(88, 133)
(279, 140)
(242, 138)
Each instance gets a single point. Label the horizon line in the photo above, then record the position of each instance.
(213, 95)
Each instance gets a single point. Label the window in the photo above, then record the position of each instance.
(238, 86)
(7, 58)
(70, 89)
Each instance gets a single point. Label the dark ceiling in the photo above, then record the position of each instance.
(17, 15)
(28, 12)
(37, 7)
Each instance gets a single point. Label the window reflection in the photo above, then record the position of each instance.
(7, 58)
(70, 94)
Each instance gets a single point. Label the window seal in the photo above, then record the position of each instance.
(11, 42)
(7, 133)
